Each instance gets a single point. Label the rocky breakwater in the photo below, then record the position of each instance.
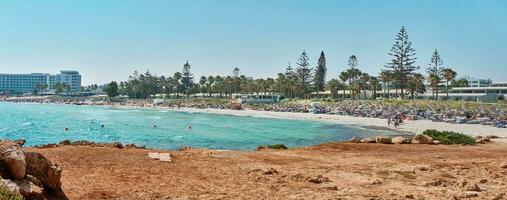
(416, 139)
(91, 144)
(29, 174)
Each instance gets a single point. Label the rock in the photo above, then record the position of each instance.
(20, 142)
(49, 146)
(184, 148)
(377, 182)
(9, 185)
(368, 140)
(383, 140)
(65, 142)
(83, 143)
(474, 188)
(504, 166)
(355, 140)
(481, 139)
(471, 194)
(409, 196)
(422, 139)
(332, 188)
(319, 179)
(483, 181)
(116, 145)
(29, 190)
(400, 140)
(498, 196)
(271, 171)
(13, 158)
(41, 168)
(436, 142)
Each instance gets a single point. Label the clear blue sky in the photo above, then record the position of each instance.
(108, 39)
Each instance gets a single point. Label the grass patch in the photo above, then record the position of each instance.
(8, 195)
(449, 137)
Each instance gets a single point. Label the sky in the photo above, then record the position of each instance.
(107, 40)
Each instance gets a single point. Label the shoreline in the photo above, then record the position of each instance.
(408, 126)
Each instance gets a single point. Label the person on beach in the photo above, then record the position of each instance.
(389, 122)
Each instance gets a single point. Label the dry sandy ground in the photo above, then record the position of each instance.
(327, 171)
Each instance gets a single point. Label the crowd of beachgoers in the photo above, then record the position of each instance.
(393, 111)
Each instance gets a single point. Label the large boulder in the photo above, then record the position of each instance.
(13, 159)
(400, 140)
(41, 168)
(422, 139)
(383, 140)
(30, 190)
(355, 140)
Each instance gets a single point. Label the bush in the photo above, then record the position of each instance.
(8, 195)
(449, 137)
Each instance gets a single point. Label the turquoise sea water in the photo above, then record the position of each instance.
(45, 123)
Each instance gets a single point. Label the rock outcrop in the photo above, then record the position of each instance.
(41, 168)
(422, 139)
(383, 140)
(13, 160)
(28, 174)
(400, 140)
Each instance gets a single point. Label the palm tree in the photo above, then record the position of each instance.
(374, 85)
(416, 84)
(449, 75)
(364, 78)
(344, 76)
(386, 77)
(433, 80)
(333, 85)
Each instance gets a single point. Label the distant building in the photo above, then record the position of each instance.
(478, 82)
(41, 82)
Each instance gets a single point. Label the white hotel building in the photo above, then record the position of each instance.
(26, 83)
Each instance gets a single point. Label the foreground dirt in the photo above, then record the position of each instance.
(327, 171)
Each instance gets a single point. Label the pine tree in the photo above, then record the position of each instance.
(403, 60)
(435, 71)
(304, 74)
(187, 78)
(320, 73)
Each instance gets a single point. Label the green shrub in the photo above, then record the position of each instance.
(449, 137)
(277, 146)
(8, 195)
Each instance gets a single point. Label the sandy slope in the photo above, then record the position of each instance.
(327, 171)
(416, 126)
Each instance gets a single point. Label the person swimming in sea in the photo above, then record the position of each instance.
(102, 126)
(189, 127)
(66, 129)
(154, 126)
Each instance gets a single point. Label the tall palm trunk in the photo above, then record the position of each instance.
(447, 89)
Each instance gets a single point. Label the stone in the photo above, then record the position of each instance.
(355, 140)
(29, 190)
(65, 142)
(9, 185)
(422, 139)
(271, 171)
(474, 188)
(504, 166)
(184, 148)
(483, 181)
(436, 142)
(383, 140)
(319, 179)
(481, 139)
(13, 159)
(41, 168)
(409, 196)
(368, 140)
(20, 142)
(116, 145)
(400, 140)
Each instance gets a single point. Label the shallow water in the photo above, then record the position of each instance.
(45, 123)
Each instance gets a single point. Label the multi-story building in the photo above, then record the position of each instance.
(40, 82)
(478, 82)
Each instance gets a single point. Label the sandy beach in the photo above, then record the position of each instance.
(415, 126)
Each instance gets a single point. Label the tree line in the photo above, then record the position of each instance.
(304, 80)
